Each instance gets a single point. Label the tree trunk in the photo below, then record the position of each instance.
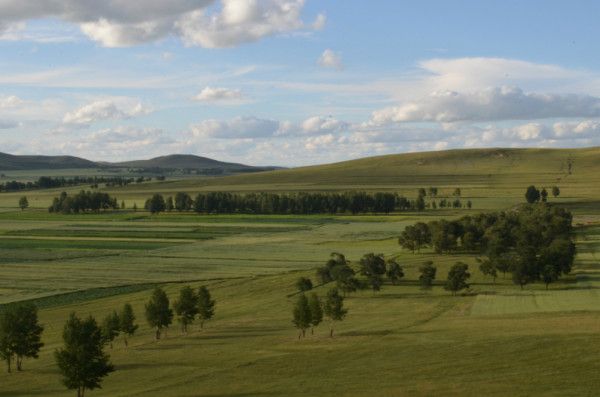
(312, 330)
(331, 332)
(8, 359)
(19, 363)
(125, 340)
(157, 334)
(201, 324)
(303, 332)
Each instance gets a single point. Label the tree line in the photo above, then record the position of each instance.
(294, 203)
(48, 182)
(83, 201)
(533, 242)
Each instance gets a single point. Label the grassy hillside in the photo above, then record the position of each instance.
(12, 162)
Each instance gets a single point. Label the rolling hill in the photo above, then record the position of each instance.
(11, 162)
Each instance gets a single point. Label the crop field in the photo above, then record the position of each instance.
(495, 340)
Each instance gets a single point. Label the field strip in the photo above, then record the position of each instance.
(58, 238)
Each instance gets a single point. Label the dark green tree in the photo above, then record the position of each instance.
(23, 203)
(457, 278)
(394, 271)
(427, 275)
(488, 268)
(544, 195)
(302, 315)
(532, 195)
(304, 284)
(111, 327)
(186, 307)
(316, 311)
(414, 237)
(82, 361)
(158, 313)
(127, 322)
(156, 204)
(169, 204)
(334, 308)
(373, 267)
(206, 305)
(20, 334)
(555, 191)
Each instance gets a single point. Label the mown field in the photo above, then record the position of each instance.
(496, 340)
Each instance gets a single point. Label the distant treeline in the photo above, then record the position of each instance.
(47, 182)
(83, 202)
(293, 203)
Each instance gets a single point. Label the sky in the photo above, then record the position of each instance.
(295, 82)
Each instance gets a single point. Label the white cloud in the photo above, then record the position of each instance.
(321, 125)
(10, 102)
(219, 95)
(499, 103)
(319, 142)
(106, 109)
(331, 59)
(239, 127)
(320, 22)
(119, 23)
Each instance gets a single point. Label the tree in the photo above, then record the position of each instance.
(183, 202)
(156, 204)
(457, 192)
(169, 204)
(427, 275)
(20, 334)
(415, 236)
(302, 318)
(394, 271)
(316, 311)
(127, 322)
(532, 195)
(111, 326)
(555, 191)
(549, 274)
(334, 308)
(186, 307)
(122, 204)
(373, 267)
(457, 278)
(158, 313)
(488, 268)
(206, 305)
(544, 195)
(23, 203)
(304, 284)
(135, 207)
(82, 361)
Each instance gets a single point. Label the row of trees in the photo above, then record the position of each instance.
(83, 201)
(296, 203)
(532, 242)
(534, 195)
(308, 312)
(48, 182)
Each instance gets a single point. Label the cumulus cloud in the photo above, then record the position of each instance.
(239, 127)
(219, 95)
(9, 102)
(498, 103)
(320, 22)
(322, 125)
(331, 59)
(119, 23)
(101, 110)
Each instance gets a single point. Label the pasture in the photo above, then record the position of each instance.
(495, 340)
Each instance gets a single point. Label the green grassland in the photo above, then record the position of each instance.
(496, 340)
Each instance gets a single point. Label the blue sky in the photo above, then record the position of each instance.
(293, 82)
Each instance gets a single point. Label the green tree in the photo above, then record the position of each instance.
(158, 313)
(186, 307)
(544, 195)
(394, 271)
(415, 236)
(532, 195)
(373, 267)
(555, 191)
(334, 308)
(127, 322)
(169, 204)
(156, 204)
(122, 204)
(23, 203)
(82, 361)
(206, 305)
(304, 284)
(302, 315)
(111, 326)
(20, 334)
(488, 268)
(457, 278)
(427, 275)
(316, 311)
(457, 192)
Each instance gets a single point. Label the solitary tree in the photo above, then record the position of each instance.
(457, 277)
(158, 313)
(186, 307)
(532, 195)
(427, 275)
(82, 361)
(394, 271)
(304, 284)
(20, 334)
(316, 311)
(23, 203)
(302, 318)
(544, 195)
(206, 306)
(334, 308)
(555, 191)
(111, 326)
(127, 322)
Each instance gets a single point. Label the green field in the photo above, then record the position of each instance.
(496, 340)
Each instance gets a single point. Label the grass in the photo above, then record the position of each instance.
(497, 340)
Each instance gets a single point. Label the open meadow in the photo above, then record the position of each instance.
(493, 340)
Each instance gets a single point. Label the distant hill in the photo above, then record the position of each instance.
(10, 162)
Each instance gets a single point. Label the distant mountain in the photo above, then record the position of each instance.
(10, 162)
